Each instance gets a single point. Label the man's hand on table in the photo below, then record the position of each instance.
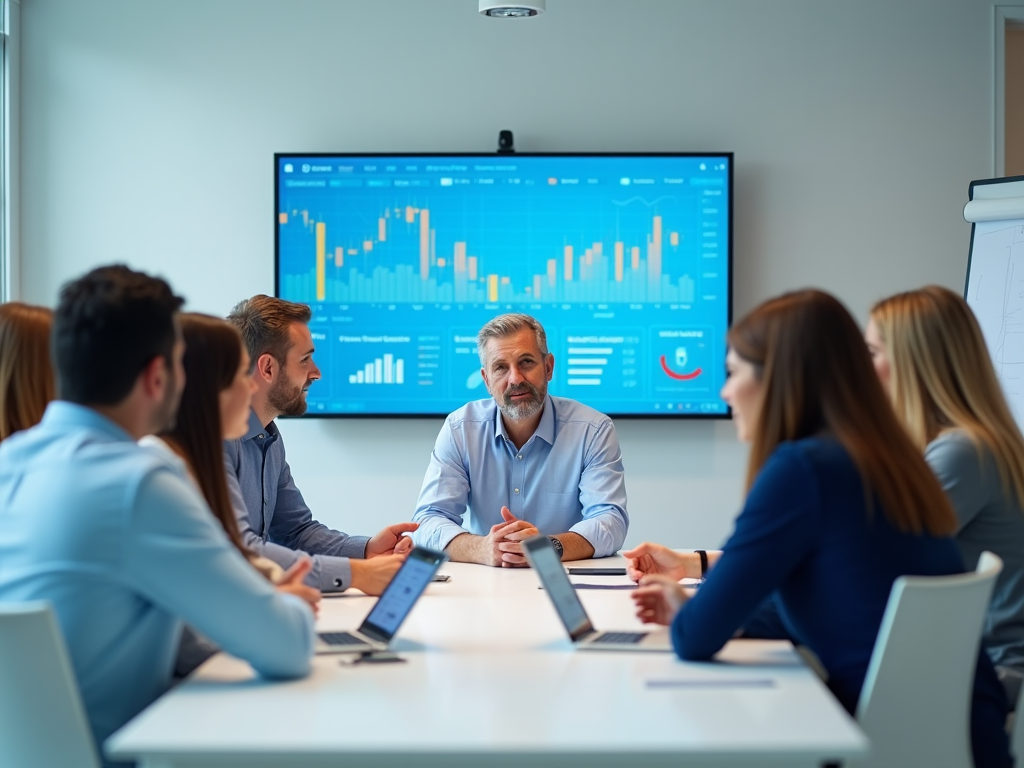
(371, 576)
(390, 541)
(514, 531)
(496, 548)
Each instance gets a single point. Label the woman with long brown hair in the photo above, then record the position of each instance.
(26, 375)
(839, 504)
(931, 356)
(215, 407)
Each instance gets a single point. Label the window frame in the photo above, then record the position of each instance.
(10, 250)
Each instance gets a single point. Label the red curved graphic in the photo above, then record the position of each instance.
(679, 376)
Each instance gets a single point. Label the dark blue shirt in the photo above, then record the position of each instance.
(805, 533)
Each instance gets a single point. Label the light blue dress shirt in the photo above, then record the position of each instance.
(568, 476)
(116, 537)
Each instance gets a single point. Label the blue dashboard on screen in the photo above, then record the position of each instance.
(625, 259)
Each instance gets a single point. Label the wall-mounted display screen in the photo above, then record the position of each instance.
(625, 259)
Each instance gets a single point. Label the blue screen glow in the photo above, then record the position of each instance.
(625, 259)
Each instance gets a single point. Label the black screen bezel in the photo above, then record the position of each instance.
(423, 554)
(542, 544)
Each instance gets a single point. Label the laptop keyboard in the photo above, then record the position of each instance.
(341, 638)
(619, 637)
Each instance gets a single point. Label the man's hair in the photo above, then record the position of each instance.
(109, 325)
(265, 324)
(508, 325)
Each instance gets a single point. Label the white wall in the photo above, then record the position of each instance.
(148, 130)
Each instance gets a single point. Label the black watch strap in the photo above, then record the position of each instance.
(559, 549)
(703, 562)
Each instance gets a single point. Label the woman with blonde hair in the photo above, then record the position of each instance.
(839, 505)
(26, 375)
(931, 356)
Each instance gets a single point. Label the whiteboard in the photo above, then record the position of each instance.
(995, 278)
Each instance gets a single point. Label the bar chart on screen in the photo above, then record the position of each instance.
(382, 370)
(400, 263)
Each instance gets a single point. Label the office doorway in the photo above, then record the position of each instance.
(1014, 95)
(1009, 96)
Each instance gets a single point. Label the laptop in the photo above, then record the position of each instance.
(542, 558)
(400, 595)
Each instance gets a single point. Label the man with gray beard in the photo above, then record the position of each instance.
(522, 462)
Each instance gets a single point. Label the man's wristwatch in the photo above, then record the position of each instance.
(559, 549)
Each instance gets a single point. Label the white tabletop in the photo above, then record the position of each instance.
(490, 678)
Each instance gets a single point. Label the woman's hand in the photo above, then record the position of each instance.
(650, 559)
(291, 584)
(658, 599)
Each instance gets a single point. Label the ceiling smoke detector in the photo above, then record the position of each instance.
(512, 10)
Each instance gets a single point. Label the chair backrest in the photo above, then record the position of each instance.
(916, 700)
(1017, 729)
(42, 721)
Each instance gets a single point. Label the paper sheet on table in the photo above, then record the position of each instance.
(621, 583)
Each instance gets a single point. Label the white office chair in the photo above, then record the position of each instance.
(916, 700)
(42, 721)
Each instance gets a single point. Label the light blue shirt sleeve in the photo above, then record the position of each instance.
(603, 494)
(178, 556)
(444, 495)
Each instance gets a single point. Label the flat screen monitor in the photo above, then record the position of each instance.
(626, 259)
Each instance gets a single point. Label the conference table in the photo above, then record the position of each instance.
(489, 678)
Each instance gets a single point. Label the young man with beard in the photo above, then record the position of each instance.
(272, 515)
(116, 536)
(523, 462)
